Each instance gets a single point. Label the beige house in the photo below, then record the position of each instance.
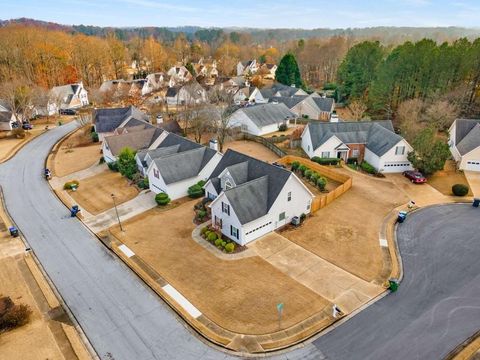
(464, 143)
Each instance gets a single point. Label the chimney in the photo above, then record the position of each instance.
(213, 144)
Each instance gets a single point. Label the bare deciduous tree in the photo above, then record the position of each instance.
(441, 114)
(357, 110)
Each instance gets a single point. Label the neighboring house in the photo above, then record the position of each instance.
(7, 118)
(278, 89)
(136, 138)
(178, 75)
(268, 71)
(249, 94)
(261, 119)
(313, 107)
(247, 67)
(189, 93)
(372, 141)
(464, 143)
(252, 198)
(155, 80)
(71, 96)
(106, 121)
(176, 164)
(138, 87)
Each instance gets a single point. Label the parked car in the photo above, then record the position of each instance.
(67, 112)
(27, 126)
(415, 177)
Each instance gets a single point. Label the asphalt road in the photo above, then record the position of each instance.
(436, 307)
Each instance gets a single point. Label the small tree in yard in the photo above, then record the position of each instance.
(12, 315)
(126, 162)
(430, 153)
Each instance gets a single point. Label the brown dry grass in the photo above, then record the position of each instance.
(76, 153)
(94, 193)
(445, 179)
(239, 295)
(253, 149)
(346, 231)
(9, 145)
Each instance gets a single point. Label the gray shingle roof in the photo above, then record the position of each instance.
(251, 194)
(324, 104)
(467, 135)
(377, 135)
(136, 140)
(470, 141)
(267, 114)
(290, 102)
(107, 120)
(183, 165)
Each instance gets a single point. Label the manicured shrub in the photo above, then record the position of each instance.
(303, 217)
(224, 243)
(302, 169)
(113, 166)
(94, 136)
(460, 190)
(208, 232)
(321, 183)
(162, 199)
(204, 230)
(368, 168)
(201, 214)
(201, 183)
(307, 173)
(282, 127)
(325, 161)
(71, 184)
(212, 237)
(314, 177)
(230, 247)
(352, 160)
(102, 160)
(218, 242)
(295, 165)
(195, 191)
(143, 183)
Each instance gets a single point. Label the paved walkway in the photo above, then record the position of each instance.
(340, 287)
(143, 202)
(58, 182)
(473, 178)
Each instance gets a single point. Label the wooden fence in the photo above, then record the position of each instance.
(266, 143)
(321, 201)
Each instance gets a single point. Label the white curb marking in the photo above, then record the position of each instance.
(129, 253)
(180, 299)
(383, 242)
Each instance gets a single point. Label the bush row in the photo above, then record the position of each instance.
(325, 161)
(368, 167)
(311, 175)
(212, 237)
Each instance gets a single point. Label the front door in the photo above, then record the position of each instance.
(342, 154)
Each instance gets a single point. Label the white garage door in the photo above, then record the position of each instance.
(393, 167)
(258, 231)
(473, 165)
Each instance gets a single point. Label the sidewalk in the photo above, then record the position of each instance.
(473, 179)
(143, 202)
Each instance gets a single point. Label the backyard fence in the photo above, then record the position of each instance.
(321, 201)
(268, 144)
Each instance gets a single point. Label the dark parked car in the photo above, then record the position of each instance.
(415, 177)
(67, 112)
(27, 126)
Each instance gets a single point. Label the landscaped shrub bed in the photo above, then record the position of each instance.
(196, 191)
(73, 184)
(368, 168)
(202, 212)
(220, 241)
(310, 175)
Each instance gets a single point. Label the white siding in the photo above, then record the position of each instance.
(227, 220)
(307, 142)
(473, 157)
(328, 146)
(107, 154)
(390, 162)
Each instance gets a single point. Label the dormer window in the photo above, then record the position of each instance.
(228, 184)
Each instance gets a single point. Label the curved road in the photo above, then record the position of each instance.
(436, 307)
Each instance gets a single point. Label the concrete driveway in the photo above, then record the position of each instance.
(473, 178)
(422, 194)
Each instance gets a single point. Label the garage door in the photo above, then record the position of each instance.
(258, 231)
(473, 165)
(397, 167)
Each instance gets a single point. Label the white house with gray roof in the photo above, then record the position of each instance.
(261, 119)
(71, 96)
(371, 141)
(176, 164)
(252, 198)
(107, 120)
(464, 143)
(312, 106)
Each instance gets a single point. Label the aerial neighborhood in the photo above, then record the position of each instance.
(265, 190)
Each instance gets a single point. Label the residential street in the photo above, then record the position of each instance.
(436, 307)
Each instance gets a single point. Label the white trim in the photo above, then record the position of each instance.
(126, 250)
